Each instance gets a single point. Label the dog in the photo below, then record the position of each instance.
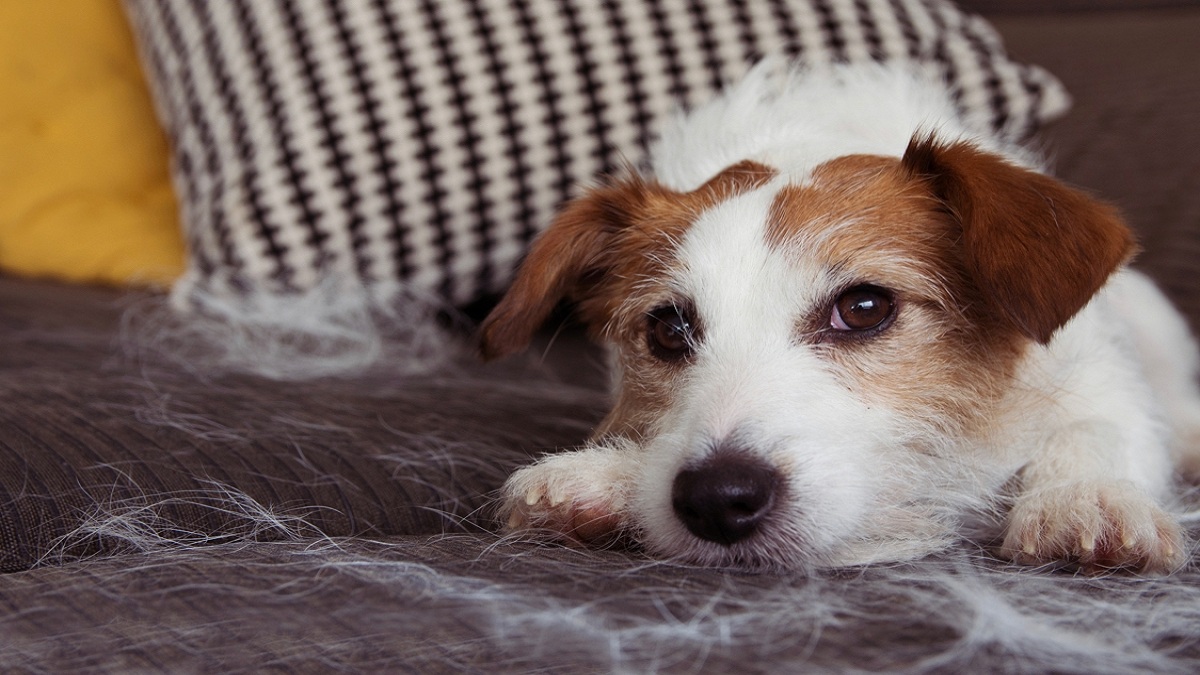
(846, 327)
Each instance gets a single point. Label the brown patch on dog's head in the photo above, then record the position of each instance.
(599, 246)
(866, 222)
(1032, 249)
(1036, 249)
(983, 256)
(863, 216)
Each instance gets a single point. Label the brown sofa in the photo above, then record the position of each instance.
(157, 518)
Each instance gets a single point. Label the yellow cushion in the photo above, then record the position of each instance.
(85, 193)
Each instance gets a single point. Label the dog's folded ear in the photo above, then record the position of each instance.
(1036, 249)
(563, 257)
(623, 221)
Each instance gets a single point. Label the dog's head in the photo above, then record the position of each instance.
(800, 360)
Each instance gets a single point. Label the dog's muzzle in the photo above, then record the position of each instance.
(726, 497)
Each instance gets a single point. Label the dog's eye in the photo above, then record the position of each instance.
(861, 308)
(670, 333)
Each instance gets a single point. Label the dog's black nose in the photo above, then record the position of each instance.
(725, 498)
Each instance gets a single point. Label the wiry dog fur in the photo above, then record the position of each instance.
(846, 327)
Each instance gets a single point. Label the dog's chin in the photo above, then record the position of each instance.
(767, 554)
(771, 549)
(747, 556)
(790, 544)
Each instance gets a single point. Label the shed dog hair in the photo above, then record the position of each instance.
(846, 326)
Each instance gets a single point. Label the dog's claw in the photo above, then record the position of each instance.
(1087, 543)
(515, 520)
(533, 496)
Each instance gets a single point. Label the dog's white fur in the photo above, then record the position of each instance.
(1068, 457)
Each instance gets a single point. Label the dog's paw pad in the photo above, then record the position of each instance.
(1098, 527)
(566, 495)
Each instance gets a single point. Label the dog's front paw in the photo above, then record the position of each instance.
(1098, 526)
(578, 495)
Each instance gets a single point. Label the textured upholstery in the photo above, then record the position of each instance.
(91, 429)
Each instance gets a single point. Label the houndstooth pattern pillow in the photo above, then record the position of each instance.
(423, 143)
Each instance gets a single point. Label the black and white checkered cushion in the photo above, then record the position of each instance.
(426, 141)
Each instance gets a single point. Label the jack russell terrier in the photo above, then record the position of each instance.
(846, 326)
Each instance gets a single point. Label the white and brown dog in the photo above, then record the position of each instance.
(845, 326)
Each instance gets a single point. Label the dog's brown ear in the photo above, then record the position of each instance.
(582, 245)
(571, 250)
(1036, 249)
